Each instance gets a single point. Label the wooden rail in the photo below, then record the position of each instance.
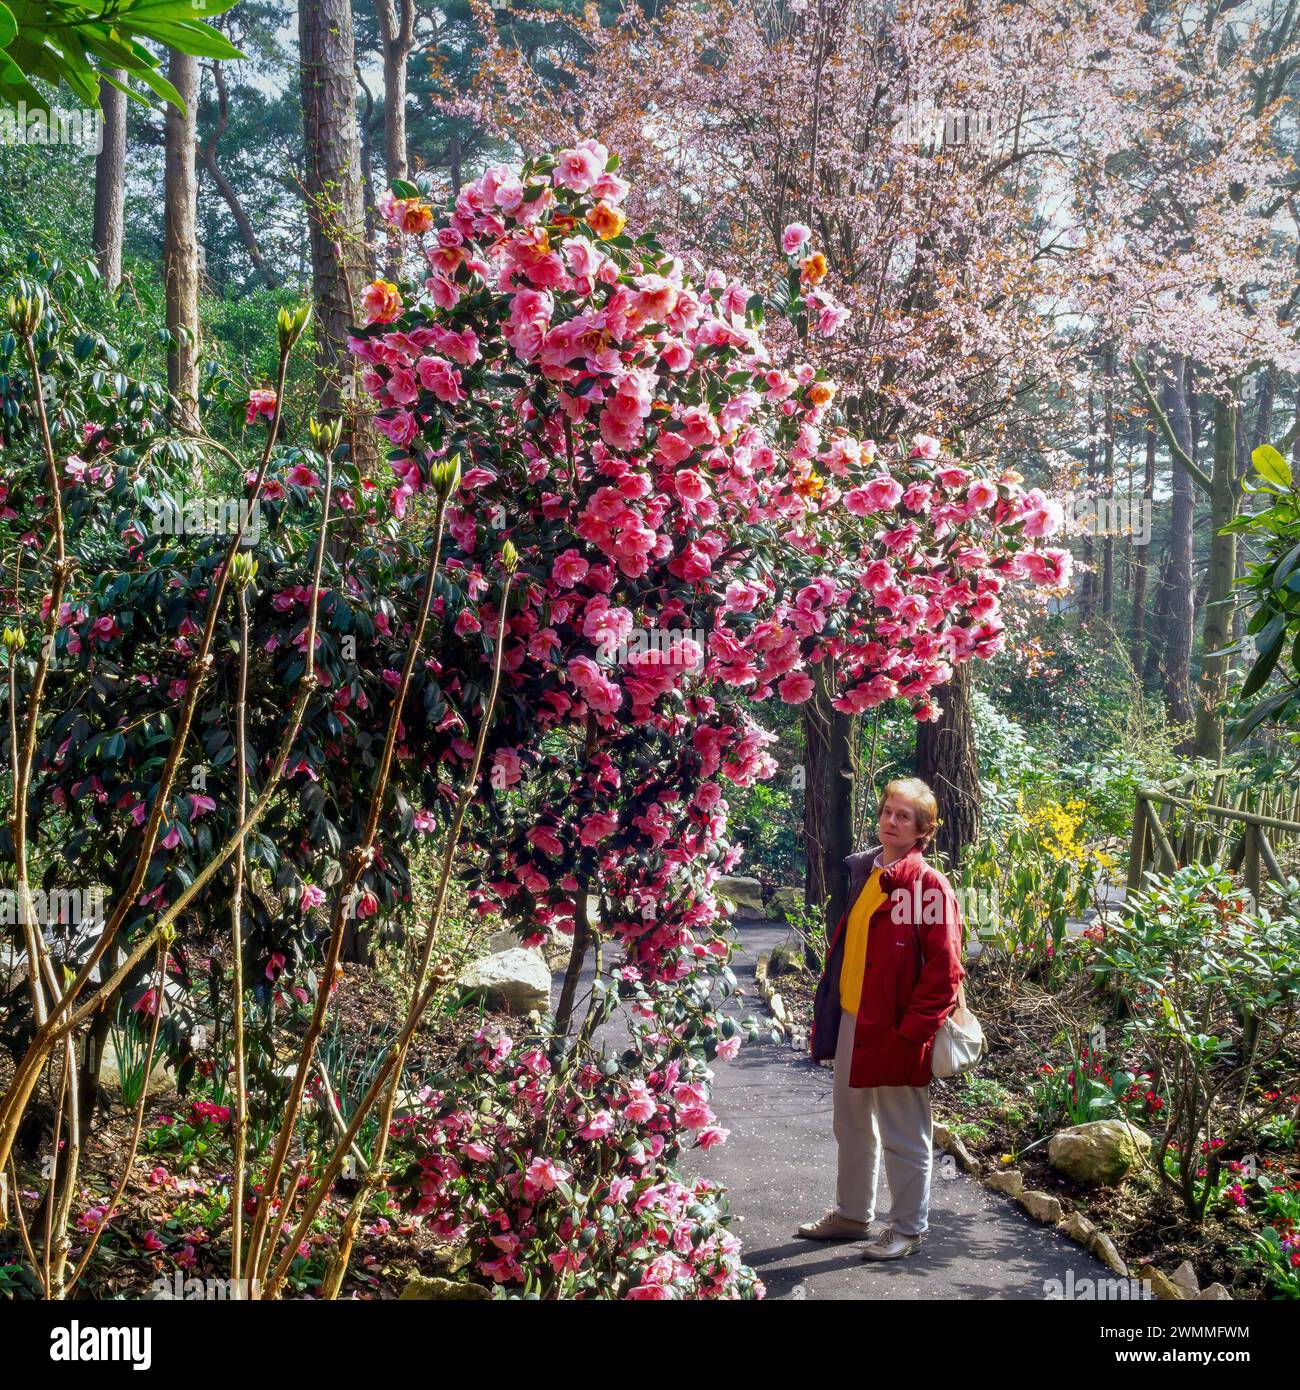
(1162, 844)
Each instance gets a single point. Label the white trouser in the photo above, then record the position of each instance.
(867, 1119)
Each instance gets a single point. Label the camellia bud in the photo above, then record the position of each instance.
(290, 324)
(445, 476)
(509, 557)
(325, 437)
(243, 570)
(14, 640)
(25, 312)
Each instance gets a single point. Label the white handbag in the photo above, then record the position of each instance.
(959, 1044)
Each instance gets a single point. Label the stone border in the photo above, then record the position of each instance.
(1045, 1208)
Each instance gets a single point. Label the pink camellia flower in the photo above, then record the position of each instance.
(598, 1126)
(261, 401)
(440, 377)
(381, 302)
(795, 688)
(506, 768)
(152, 1241)
(91, 1219)
(795, 236)
(925, 446)
(569, 569)
(367, 905)
(982, 494)
(310, 897)
(542, 1175)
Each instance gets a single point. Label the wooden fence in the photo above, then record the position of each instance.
(1200, 818)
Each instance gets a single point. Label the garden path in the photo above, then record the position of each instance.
(779, 1167)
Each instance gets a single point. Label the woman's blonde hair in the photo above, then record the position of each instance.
(921, 799)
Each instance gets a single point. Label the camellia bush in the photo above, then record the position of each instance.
(618, 502)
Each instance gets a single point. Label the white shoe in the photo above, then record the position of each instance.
(889, 1245)
(833, 1226)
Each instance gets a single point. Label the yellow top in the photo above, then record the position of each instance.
(854, 966)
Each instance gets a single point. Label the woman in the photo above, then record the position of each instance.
(891, 979)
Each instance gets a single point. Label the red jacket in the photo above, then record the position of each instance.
(913, 969)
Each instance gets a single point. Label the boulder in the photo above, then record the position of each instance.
(1078, 1228)
(1160, 1284)
(1105, 1250)
(1215, 1293)
(1185, 1279)
(421, 1286)
(1101, 1152)
(1007, 1180)
(745, 896)
(1042, 1206)
(784, 903)
(516, 980)
(951, 1143)
(777, 1006)
(787, 959)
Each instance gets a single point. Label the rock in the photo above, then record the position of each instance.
(952, 1144)
(1008, 1180)
(1185, 1278)
(507, 939)
(784, 903)
(1160, 1284)
(787, 959)
(745, 894)
(777, 1005)
(424, 1287)
(1216, 1293)
(516, 980)
(1042, 1206)
(1101, 1152)
(1077, 1228)
(1104, 1248)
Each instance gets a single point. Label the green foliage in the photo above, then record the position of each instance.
(1274, 585)
(1022, 886)
(1211, 987)
(73, 45)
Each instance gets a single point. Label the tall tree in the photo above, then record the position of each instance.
(397, 37)
(335, 209)
(110, 181)
(181, 243)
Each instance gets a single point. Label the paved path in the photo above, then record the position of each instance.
(779, 1167)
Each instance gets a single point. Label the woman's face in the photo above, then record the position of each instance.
(898, 828)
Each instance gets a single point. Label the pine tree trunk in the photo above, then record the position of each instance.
(1223, 572)
(110, 183)
(181, 243)
(828, 800)
(946, 759)
(335, 213)
(1176, 580)
(1137, 641)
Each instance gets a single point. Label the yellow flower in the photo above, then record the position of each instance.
(606, 221)
(813, 270)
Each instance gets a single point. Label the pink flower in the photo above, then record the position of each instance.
(795, 688)
(795, 236)
(381, 302)
(260, 402)
(310, 897)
